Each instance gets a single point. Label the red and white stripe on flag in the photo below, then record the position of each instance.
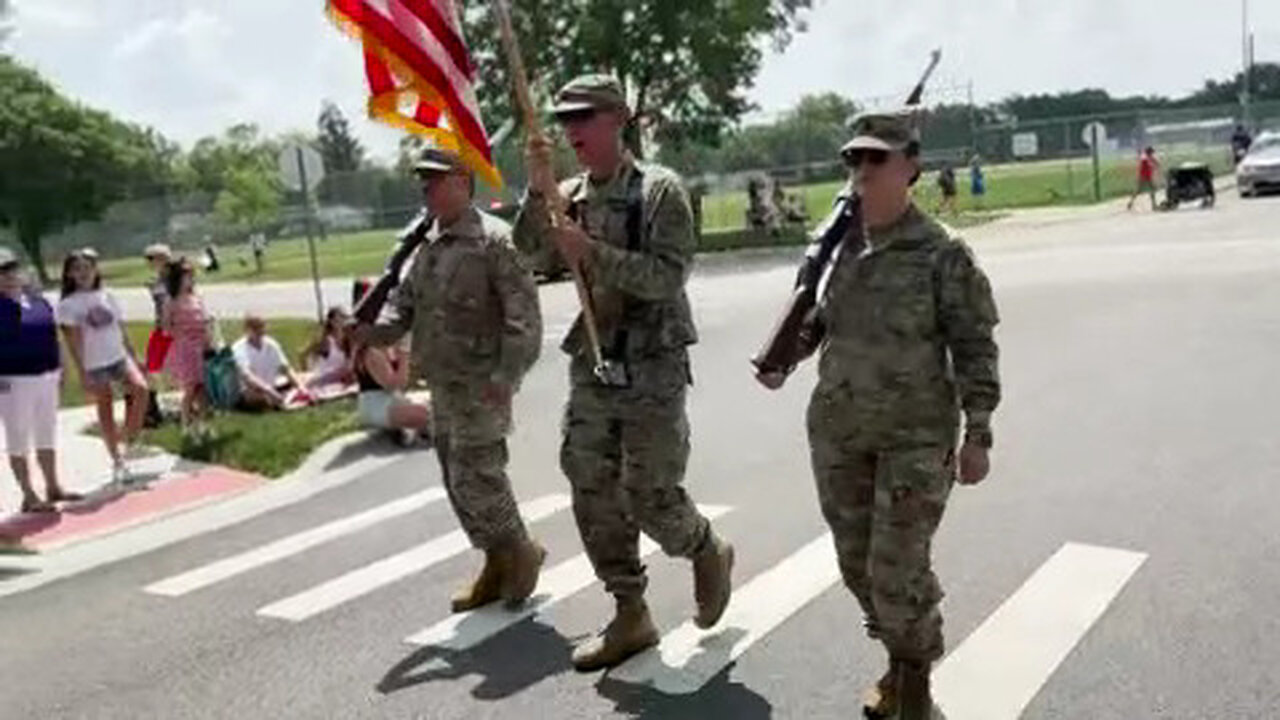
(414, 54)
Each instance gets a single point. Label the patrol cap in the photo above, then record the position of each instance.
(155, 250)
(439, 160)
(8, 261)
(887, 131)
(590, 92)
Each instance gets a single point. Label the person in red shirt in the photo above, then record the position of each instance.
(1147, 166)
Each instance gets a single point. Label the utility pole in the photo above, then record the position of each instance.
(973, 122)
(1245, 52)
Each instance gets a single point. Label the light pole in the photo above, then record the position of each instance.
(1245, 52)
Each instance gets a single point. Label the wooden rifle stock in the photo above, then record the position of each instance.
(370, 306)
(796, 335)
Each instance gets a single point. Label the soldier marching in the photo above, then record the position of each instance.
(907, 381)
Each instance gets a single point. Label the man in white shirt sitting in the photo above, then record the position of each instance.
(265, 373)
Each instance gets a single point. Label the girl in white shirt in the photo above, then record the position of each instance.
(93, 324)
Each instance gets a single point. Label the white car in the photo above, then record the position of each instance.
(1259, 170)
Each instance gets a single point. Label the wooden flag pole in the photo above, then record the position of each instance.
(551, 194)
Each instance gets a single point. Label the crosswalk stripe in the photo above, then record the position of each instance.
(688, 657)
(465, 630)
(229, 567)
(1001, 666)
(390, 569)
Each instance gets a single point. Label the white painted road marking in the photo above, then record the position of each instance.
(999, 668)
(466, 630)
(390, 569)
(229, 567)
(307, 482)
(688, 657)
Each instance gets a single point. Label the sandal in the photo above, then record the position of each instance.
(62, 496)
(36, 505)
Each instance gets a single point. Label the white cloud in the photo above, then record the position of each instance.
(64, 16)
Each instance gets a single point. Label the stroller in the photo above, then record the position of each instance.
(1187, 182)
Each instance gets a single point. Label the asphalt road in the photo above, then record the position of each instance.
(1141, 394)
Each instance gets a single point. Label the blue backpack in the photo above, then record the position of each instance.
(221, 379)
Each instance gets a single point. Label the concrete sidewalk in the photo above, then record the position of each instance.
(167, 485)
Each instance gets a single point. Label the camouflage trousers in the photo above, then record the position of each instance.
(883, 507)
(624, 452)
(470, 443)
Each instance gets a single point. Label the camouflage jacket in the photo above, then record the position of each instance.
(909, 341)
(471, 305)
(640, 291)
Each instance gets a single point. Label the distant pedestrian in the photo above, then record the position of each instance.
(977, 180)
(1147, 166)
(211, 263)
(30, 377)
(947, 185)
(186, 320)
(258, 244)
(1241, 141)
(93, 323)
(158, 256)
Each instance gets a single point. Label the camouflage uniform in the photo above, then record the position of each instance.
(624, 450)
(472, 306)
(908, 344)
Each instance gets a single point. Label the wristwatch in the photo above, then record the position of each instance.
(979, 436)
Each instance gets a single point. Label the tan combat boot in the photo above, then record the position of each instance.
(915, 699)
(881, 700)
(523, 565)
(486, 588)
(712, 581)
(631, 631)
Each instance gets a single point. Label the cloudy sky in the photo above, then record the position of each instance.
(192, 67)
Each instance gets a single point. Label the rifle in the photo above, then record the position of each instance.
(414, 234)
(797, 333)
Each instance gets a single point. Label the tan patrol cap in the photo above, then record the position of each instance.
(156, 250)
(590, 92)
(439, 160)
(881, 131)
(8, 260)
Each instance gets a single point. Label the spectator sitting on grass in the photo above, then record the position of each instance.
(265, 373)
(383, 377)
(328, 357)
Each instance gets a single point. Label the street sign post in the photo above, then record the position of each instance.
(302, 169)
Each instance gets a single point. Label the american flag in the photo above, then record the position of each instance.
(415, 55)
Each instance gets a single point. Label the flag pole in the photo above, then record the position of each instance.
(551, 194)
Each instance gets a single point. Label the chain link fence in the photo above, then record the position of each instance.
(1024, 163)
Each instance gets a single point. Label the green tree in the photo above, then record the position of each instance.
(250, 200)
(341, 150)
(684, 64)
(213, 160)
(62, 163)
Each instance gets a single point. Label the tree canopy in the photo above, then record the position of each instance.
(685, 64)
(61, 162)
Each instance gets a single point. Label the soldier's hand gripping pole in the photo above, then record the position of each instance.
(545, 180)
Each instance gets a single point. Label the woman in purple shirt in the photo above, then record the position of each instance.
(30, 379)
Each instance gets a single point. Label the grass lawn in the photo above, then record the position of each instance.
(293, 334)
(340, 255)
(1015, 185)
(270, 444)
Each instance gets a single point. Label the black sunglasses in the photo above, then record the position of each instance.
(575, 116)
(854, 158)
